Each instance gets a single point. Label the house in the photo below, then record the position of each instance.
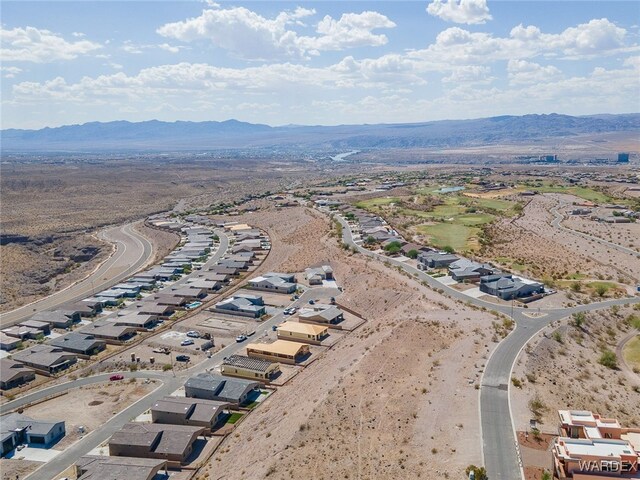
(253, 368)
(315, 276)
(14, 374)
(468, 270)
(45, 358)
(44, 327)
(173, 443)
(23, 333)
(197, 412)
(83, 309)
(249, 245)
(302, 332)
(109, 331)
(9, 343)
(79, 343)
(287, 277)
(324, 314)
(189, 292)
(208, 286)
(153, 308)
(435, 260)
(57, 318)
(272, 284)
(244, 305)
(92, 467)
(281, 351)
(592, 447)
(239, 265)
(224, 270)
(209, 386)
(506, 287)
(17, 429)
(213, 277)
(408, 247)
(140, 321)
(170, 300)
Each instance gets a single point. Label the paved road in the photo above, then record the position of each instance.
(170, 384)
(497, 430)
(132, 253)
(624, 366)
(557, 223)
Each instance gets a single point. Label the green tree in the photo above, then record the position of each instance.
(448, 249)
(369, 240)
(393, 247)
(412, 254)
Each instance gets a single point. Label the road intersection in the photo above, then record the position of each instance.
(501, 458)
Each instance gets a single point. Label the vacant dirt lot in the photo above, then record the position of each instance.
(89, 406)
(561, 369)
(546, 252)
(380, 402)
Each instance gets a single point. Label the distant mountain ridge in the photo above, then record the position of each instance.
(155, 135)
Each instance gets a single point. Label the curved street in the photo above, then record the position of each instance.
(557, 223)
(132, 252)
(497, 430)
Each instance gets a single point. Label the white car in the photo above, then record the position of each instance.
(193, 334)
(241, 338)
(186, 342)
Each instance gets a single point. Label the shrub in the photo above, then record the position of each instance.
(608, 359)
(479, 472)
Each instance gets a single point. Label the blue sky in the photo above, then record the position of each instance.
(322, 62)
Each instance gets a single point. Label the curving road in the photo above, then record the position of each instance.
(131, 254)
(501, 457)
(557, 223)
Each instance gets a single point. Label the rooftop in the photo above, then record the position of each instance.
(283, 347)
(241, 361)
(304, 328)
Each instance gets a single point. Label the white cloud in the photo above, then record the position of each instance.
(40, 46)
(470, 12)
(169, 48)
(78, 34)
(10, 72)
(137, 49)
(458, 46)
(249, 35)
(468, 74)
(523, 72)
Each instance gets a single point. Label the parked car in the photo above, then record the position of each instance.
(186, 342)
(333, 300)
(116, 377)
(193, 334)
(241, 338)
(274, 328)
(312, 302)
(293, 310)
(288, 311)
(183, 358)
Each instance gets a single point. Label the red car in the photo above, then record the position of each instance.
(116, 377)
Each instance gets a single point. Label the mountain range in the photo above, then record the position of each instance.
(156, 135)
